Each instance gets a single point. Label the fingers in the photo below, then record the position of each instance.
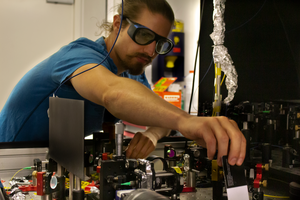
(243, 143)
(243, 152)
(210, 142)
(217, 134)
(132, 144)
(237, 142)
(222, 138)
(140, 147)
(147, 149)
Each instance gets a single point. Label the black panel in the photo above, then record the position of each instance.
(29, 144)
(263, 40)
(66, 134)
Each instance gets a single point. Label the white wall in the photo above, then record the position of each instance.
(32, 30)
(91, 14)
(189, 12)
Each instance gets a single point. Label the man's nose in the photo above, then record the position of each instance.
(150, 49)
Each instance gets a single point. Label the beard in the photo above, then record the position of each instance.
(132, 66)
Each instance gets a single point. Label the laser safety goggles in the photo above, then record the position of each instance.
(143, 36)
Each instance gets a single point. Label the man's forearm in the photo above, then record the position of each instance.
(127, 99)
(135, 103)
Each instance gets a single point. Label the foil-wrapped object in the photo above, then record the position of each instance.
(17, 194)
(220, 52)
(95, 190)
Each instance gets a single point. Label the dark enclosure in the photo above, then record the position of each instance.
(263, 39)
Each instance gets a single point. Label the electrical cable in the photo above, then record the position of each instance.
(212, 60)
(54, 94)
(277, 197)
(248, 19)
(195, 92)
(196, 58)
(278, 180)
(285, 32)
(222, 80)
(18, 172)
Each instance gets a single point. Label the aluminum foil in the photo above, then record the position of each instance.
(18, 194)
(148, 171)
(95, 190)
(220, 52)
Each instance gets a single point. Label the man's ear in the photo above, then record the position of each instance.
(116, 23)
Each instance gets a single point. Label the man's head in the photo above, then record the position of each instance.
(132, 53)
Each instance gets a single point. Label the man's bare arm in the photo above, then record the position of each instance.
(131, 101)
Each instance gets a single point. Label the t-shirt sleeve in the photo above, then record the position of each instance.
(140, 78)
(73, 56)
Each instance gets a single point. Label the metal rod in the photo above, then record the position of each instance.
(119, 130)
(163, 189)
(78, 183)
(191, 179)
(71, 185)
(163, 174)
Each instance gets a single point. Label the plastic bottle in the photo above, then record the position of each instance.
(188, 88)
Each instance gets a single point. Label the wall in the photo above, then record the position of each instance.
(189, 12)
(32, 30)
(29, 33)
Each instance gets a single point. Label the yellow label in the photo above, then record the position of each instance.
(178, 26)
(178, 170)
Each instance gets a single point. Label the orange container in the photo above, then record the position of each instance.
(172, 97)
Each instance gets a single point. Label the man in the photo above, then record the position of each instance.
(146, 24)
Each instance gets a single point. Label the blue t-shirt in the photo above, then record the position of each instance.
(24, 116)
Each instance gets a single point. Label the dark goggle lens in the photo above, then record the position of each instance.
(143, 36)
(163, 46)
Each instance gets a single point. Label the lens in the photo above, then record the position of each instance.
(143, 36)
(163, 46)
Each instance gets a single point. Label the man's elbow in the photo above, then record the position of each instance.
(112, 99)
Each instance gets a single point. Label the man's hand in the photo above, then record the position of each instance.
(215, 133)
(141, 145)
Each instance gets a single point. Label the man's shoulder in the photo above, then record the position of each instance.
(89, 44)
